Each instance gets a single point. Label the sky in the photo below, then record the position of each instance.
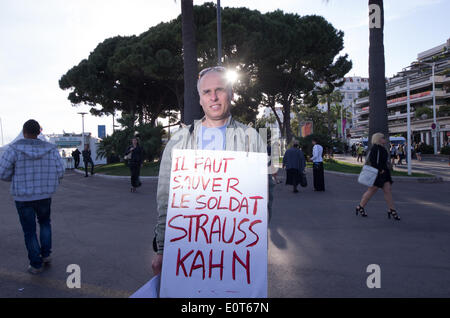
(42, 39)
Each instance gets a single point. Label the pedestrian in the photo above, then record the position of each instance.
(418, 150)
(76, 157)
(35, 169)
(134, 154)
(360, 152)
(378, 158)
(217, 130)
(317, 159)
(294, 163)
(401, 154)
(354, 150)
(87, 160)
(393, 153)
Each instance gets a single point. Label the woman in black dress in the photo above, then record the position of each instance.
(379, 159)
(135, 156)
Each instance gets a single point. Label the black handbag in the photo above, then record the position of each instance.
(303, 180)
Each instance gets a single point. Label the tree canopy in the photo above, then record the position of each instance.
(279, 56)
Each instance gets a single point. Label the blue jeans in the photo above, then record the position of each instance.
(28, 210)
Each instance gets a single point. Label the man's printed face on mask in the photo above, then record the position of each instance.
(214, 99)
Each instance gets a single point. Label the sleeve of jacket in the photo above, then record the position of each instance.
(7, 165)
(60, 167)
(162, 194)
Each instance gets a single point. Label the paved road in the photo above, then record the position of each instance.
(317, 246)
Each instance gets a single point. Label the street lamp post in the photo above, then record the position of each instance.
(82, 126)
(219, 35)
(408, 142)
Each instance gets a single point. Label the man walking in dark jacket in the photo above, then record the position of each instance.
(76, 157)
(35, 169)
(87, 160)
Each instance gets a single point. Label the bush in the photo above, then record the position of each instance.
(306, 143)
(445, 150)
(113, 147)
(423, 111)
(444, 111)
(426, 149)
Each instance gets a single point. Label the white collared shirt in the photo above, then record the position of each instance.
(317, 153)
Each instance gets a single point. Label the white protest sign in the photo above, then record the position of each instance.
(216, 230)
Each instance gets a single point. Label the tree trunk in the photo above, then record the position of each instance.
(192, 109)
(329, 116)
(287, 120)
(378, 115)
(271, 103)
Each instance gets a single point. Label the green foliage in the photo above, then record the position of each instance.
(135, 74)
(314, 114)
(306, 143)
(444, 111)
(445, 150)
(364, 93)
(114, 147)
(420, 111)
(121, 169)
(426, 149)
(279, 56)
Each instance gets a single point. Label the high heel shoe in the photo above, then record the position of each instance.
(394, 214)
(360, 210)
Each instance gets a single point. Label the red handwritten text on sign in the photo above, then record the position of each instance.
(216, 224)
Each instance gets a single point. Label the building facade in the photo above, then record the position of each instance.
(420, 74)
(68, 142)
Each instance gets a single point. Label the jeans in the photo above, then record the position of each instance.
(135, 170)
(86, 166)
(28, 210)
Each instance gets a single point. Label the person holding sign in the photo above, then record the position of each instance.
(217, 130)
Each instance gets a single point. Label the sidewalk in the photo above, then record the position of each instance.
(437, 166)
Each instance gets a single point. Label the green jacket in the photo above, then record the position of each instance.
(186, 138)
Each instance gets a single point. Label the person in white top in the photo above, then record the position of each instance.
(319, 182)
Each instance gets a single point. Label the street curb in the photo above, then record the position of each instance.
(434, 179)
(107, 176)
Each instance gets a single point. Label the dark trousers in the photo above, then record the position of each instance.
(86, 167)
(28, 211)
(319, 181)
(77, 162)
(135, 170)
